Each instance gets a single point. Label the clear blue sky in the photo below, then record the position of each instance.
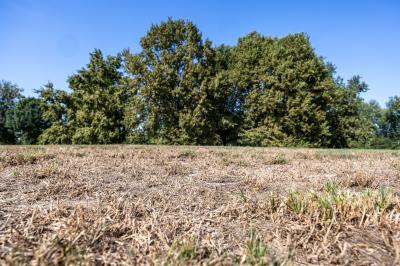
(50, 40)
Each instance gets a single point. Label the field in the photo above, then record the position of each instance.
(183, 205)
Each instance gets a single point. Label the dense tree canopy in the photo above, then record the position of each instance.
(392, 118)
(180, 89)
(172, 88)
(26, 121)
(54, 105)
(284, 91)
(95, 111)
(9, 94)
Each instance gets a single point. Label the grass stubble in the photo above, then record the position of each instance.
(164, 205)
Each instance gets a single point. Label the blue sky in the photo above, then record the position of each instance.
(50, 40)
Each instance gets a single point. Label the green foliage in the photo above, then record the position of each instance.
(284, 91)
(256, 248)
(392, 117)
(295, 202)
(9, 95)
(182, 251)
(180, 90)
(173, 94)
(381, 201)
(258, 253)
(54, 105)
(383, 124)
(26, 121)
(57, 133)
(349, 127)
(95, 114)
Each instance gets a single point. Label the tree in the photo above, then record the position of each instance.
(9, 95)
(373, 112)
(348, 126)
(229, 97)
(95, 113)
(179, 89)
(373, 115)
(284, 91)
(172, 91)
(54, 106)
(392, 119)
(26, 121)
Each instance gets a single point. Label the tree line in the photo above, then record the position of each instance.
(180, 89)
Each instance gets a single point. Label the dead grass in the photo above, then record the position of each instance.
(161, 205)
(278, 158)
(23, 158)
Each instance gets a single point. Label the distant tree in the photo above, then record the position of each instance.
(284, 91)
(371, 111)
(227, 97)
(179, 89)
(9, 95)
(26, 121)
(173, 97)
(348, 125)
(392, 119)
(54, 106)
(95, 113)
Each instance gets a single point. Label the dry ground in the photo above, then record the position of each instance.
(94, 205)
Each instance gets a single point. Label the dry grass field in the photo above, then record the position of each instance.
(163, 205)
